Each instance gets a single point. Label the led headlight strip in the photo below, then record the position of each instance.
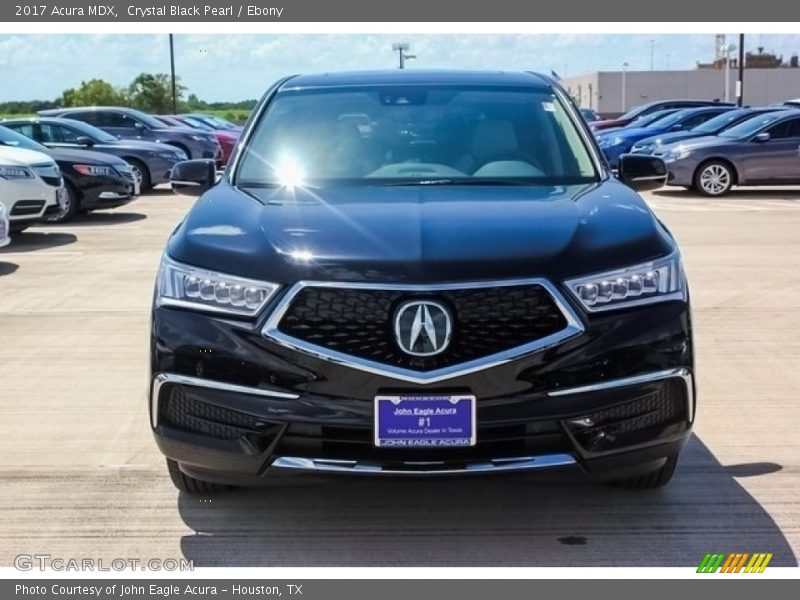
(189, 287)
(657, 281)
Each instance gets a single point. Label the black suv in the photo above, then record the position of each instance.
(420, 273)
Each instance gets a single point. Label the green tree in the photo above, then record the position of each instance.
(94, 92)
(152, 92)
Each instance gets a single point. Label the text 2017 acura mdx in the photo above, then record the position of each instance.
(420, 273)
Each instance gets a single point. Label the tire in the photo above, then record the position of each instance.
(182, 147)
(655, 479)
(714, 178)
(70, 210)
(190, 485)
(142, 173)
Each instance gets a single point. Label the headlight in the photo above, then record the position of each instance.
(678, 153)
(201, 138)
(15, 172)
(609, 141)
(656, 281)
(643, 147)
(94, 170)
(190, 287)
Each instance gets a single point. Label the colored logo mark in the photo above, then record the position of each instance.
(741, 562)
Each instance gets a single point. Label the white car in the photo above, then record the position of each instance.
(4, 239)
(31, 186)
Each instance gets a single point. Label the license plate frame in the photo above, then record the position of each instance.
(423, 421)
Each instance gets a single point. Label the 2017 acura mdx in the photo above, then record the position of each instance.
(420, 273)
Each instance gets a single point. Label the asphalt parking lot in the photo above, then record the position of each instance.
(81, 476)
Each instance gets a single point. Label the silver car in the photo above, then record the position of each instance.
(761, 151)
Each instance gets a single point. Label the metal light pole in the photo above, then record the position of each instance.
(172, 71)
(740, 81)
(401, 49)
(652, 53)
(624, 67)
(727, 49)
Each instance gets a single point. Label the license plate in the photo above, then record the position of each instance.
(136, 188)
(61, 197)
(425, 421)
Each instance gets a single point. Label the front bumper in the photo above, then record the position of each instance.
(231, 406)
(681, 172)
(106, 192)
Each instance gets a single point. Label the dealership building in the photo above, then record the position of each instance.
(611, 93)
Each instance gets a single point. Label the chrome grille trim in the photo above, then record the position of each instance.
(573, 328)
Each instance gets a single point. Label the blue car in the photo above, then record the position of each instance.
(616, 143)
(713, 126)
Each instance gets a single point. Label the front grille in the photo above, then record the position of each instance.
(54, 181)
(356, 443)
(27, 208)
(656, 414)
(50, 174)
(180, 410)
(360, 322)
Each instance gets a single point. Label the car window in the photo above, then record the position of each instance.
(88, 116)
(58, 134)
(417, 134)
(110, 118)
(695, 120)
(789, 128)
(25, 129)
(793, 129)
(17, 140)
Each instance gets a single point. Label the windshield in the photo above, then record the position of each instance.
(197, 124)
(151, 122)
(750, 126)
(668, 120)
(652, 117)
(98, 135)
(720, 122)
(17, 140)
(416, 135)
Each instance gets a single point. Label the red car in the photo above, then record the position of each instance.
(226, 138)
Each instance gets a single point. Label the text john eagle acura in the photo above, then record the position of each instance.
(420, 273)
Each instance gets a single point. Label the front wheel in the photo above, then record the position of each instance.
(70, 208)
(141, 174)
(655, 479)
(190, 485)
(714, 178)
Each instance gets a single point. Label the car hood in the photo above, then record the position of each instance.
(83, 157)
(22, 157)
(630, 133)
(419, 234)
(138, 145)
(703, 142)
(662, 139)
(183, 131)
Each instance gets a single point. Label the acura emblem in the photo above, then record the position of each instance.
(422, 327)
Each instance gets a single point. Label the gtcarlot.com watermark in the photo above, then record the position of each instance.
(44, 562)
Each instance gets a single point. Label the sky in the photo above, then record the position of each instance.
(237, 67)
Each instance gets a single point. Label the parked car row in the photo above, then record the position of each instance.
(709, 147)
(71, 160)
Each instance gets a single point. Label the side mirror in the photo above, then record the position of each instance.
(84, 141)
(762, 137)
(193, 177)
(642, 172)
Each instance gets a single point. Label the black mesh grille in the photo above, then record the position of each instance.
(181, 411)
(641, 420)
(360, 322)
(27, 207)
(49, 180)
